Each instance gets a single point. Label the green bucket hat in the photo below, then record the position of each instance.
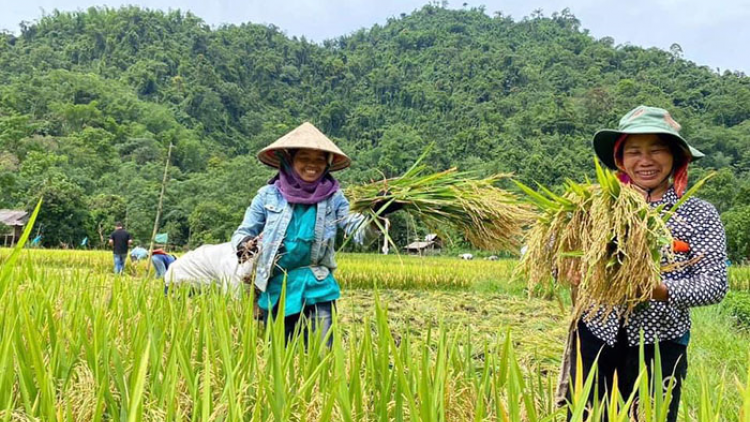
(641, 119)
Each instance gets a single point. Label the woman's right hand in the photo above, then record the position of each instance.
(248, 248)
(572, 275)
(572, 272)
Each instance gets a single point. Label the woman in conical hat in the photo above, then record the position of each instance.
(296, 215)
(648, 153)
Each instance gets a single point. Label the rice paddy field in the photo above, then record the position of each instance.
(416, 339)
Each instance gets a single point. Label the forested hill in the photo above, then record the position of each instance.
(89, 102)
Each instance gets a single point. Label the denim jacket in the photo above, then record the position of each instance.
(269, 213)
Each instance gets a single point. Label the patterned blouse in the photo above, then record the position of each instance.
(702, 283)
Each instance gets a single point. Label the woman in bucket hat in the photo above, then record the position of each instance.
(648, 152)
(296, 215)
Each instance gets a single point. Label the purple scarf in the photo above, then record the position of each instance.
(297, 191)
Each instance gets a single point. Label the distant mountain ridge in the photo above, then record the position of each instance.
(90, 100)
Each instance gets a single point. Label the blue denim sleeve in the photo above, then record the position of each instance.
(253, 222)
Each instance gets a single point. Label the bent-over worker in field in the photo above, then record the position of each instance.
(648, 152)
(138, 253)
(160, 259)
(298, 213)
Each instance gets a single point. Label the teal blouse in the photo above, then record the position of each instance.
(302, 288)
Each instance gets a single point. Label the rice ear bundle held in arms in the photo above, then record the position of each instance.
(607, 234)
(489, 217)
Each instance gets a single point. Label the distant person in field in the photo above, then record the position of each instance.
(120, 241)
(161, 261)
(298, 213)
(138, 253)
(649, 153)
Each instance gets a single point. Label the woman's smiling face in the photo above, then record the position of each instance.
(649, 161)
(310, 164)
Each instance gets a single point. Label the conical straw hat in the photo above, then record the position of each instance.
(305, 136)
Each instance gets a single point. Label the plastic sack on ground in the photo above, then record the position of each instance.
(207, 265)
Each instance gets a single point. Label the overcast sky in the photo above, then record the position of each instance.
(711, 32)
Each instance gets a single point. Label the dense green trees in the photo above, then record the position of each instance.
(89, 102)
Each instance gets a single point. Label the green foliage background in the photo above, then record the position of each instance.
(89, 102)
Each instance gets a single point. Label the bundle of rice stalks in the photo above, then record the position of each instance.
(606, 235)
(489, 217)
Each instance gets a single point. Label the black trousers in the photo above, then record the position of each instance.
(626, 362)
(320, 316)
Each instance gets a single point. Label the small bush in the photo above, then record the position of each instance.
(739, 305)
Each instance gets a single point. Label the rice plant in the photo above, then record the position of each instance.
(489, 217)
(79, 344)
(604, 235)
(73, 352)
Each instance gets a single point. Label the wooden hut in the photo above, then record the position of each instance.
(13, 222)
(429, 246)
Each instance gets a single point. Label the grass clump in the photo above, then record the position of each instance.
(738, 304)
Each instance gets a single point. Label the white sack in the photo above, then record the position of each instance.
(210, 264)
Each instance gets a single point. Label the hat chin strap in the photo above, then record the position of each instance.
(650, 190)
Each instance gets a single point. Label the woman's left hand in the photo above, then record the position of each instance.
(660, 293)
(392, 207)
